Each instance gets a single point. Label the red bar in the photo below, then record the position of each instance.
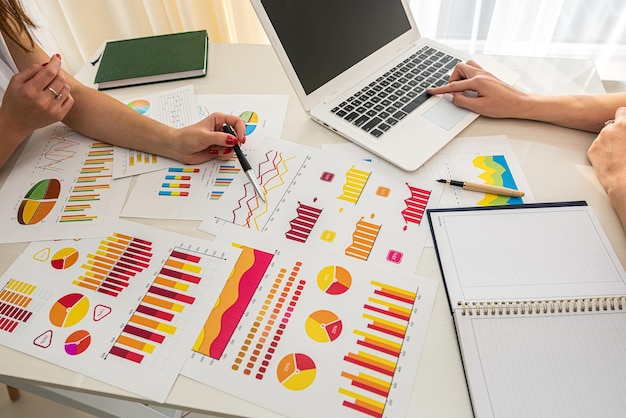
(155, 312)
(185, 256)
(111, 286)
(389, 295)
(123, 271)
(171, 295)
(130, 259)
(361, 409)
(142, 333)
(368, 366)
(386, 312)
(125, 354)
(119, 283)
(137, 251)
(142, 241)
(180, 275)
(107, 292)
(139, 246)
(119, 276)
(129, 266)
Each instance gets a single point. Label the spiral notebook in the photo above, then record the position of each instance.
(538, 299)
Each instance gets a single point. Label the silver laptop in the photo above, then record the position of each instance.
(360, 68)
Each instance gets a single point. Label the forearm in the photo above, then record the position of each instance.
(618, 200)
(103, 118)
(584, 112)
(11, 138)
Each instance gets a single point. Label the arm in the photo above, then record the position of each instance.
(96, 115)
(499, 100)
(607, 155)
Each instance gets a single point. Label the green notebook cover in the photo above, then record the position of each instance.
(153, 59)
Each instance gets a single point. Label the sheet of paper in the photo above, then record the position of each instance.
(568, 365)
(484, 160)
(176, 108)
(124, 309)
(188, 192)
(61, 187)
(347, 206)
(307, 333)
(545, 252)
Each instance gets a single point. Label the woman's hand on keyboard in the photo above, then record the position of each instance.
(475, 89)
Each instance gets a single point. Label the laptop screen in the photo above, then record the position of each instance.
(323, 38)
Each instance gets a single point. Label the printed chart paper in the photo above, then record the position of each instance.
(187, 192)
(176, 108)
(343, 205)
(485, 160)
(312, 334)
(61, 187)
(124, 309)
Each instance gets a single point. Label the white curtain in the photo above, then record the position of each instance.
(77, 28)
(551, 28)
(543, 28)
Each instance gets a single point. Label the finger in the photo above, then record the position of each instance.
(455, 87)
(462, 100)
(48, 73)
(620, 114)
(473, 63)
(238, 125)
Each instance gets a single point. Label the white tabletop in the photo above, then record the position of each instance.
(553, 159)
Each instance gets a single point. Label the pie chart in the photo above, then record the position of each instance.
(38, 202)
(64, 258)
(296, 371)
(323, 326)
(334, 280)
(77, 342)
(140, 106)
(69, 310)
(251, 119)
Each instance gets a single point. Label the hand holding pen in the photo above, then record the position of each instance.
(245, 165)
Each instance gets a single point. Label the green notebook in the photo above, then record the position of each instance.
(153, 59)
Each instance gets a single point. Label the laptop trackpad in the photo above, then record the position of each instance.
(445, 114)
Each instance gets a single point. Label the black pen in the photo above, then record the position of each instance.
(245, 165)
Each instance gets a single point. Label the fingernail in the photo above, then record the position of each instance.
(243, 140)
(228, 150)
(231, 140)
(213, 151)
(58, 56)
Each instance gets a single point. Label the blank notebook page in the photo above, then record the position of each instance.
(530, 253)
(564, 365)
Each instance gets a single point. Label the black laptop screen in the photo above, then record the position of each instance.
(323, 38)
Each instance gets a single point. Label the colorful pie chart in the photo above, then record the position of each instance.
(323, 326)
(140, 106)
(77, 342)
(64, 258)
(251, 119)
(38, 202)
(296, 371)
(334, 280)
(69, 310)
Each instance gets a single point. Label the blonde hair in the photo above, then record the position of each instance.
(15, 23)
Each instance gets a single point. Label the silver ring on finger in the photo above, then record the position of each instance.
(57, 95)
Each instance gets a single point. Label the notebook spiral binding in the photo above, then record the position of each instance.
(611, 303)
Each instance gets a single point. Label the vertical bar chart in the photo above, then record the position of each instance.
(370, 367)
(166, 299)
(117, 260)
(14, 300)
(94, 179)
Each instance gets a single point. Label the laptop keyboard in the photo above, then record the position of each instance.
(391, 97)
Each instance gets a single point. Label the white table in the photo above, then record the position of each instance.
(553, 159)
